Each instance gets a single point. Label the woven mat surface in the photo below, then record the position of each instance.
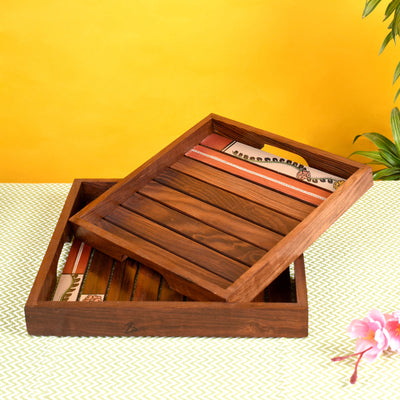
(352, 268)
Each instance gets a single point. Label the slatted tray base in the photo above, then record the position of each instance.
(220, 225)
(126, 298)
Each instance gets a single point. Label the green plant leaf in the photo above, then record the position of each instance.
(394, 177)
(396, 73)
(370, 6)
(388, 38)
(390, 8)
(397, 95)
(387, 174)
(395, 123)
(380, 141)
(395, 24)
(373, 155)
(390, 158)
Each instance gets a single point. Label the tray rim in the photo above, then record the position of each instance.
(39, 310)
(264, 271)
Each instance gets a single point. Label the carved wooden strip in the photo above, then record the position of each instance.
(212, 216)
(163, 261)
(71, 279)
(177, 244)
(256, 137)
(268, 198)
(301, 172)
(122, 281)
(96, 282)
(229, 202)
(259, 175)
(147, 285)
(195, 230)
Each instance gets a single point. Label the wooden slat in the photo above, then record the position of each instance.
(122, 281)
(195, 230)
(262, 176)
(212, 216)
(147, 285)
(163, 260)
(232, 203)
(268, 198)
(97, 278)
(177, 244)
(167, 294)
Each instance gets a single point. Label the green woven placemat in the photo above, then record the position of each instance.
(352, 268)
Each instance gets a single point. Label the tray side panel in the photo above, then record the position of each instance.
(255, 137)
(299, 239)
(172, 319)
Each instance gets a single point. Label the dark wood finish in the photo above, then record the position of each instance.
(147, 285)
(97, 278)
(226, 201)
(195, 230)
(122, 281)
(255, 137)
(167, 294)
(177, 244)
(193, 267)
(268, 198)
(213, 216)
(169, 316)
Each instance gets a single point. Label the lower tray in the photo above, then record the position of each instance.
(153, 309)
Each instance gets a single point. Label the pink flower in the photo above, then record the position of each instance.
(393, 327)
(372, 338)
(370, 332)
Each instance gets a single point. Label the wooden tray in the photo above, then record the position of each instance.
(216, 227)
(155, 309)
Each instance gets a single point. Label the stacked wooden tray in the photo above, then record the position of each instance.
(149, 307)
(211, 215)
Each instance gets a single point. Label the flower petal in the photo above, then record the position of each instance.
(377, 316)
(358, 328)
(393, 328)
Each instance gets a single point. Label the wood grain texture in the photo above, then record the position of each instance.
(265, 197)
(255, 137)
(167, 294)
(177, 244)
(213, 216)
(281, 249)
(262, 176)
(97, 278)
(148, 318)
(195, 230)
(147, 285)
(227, 201)
(164, 261)
(168, 317)
(122, 281)
(294, 244)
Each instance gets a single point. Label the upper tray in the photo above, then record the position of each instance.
(217, 217)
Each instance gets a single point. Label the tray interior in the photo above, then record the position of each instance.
(106, 279)
(96, 295)
(209, 220)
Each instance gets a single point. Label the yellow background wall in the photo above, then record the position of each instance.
(93, 88)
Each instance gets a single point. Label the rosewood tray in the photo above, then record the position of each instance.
(128, 299)
(218, 223)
